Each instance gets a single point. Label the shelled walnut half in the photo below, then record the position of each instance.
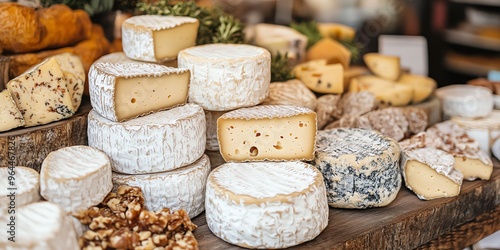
(122, 222)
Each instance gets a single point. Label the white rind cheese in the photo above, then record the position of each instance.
(484, 130)
(10, 116)
(227, 76)
(360, 167)
(76, 177)
(115, 57)
(292, 92)
(183, 188)
(26, 187)
(155, 143)
(265, 204)
(211, 118)
(40, 225)
(155, 38)
(465, 100)
(122, 91)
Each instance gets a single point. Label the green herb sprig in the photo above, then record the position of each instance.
(280, 68)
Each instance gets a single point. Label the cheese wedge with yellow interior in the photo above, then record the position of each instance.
(385, 66)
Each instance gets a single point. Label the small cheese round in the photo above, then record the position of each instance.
(266, 204)
(76, 177)
(222, 75)
(465, 100)
(360, 167)
(182, 188)
(20, 185)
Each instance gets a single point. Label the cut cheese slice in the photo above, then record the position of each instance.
(385, 66)
(19, 186)
(360, 167)
(183, 188)
(74, 73)
(367, 82)
(42, 94)
(292, 92)
(330, 50)
(267, 132)
(211, 118)
(273, 205)
(327, 80)
(155, 143)
(155, 38)
(474, 168)
(298, 70)
(396, 95)
(222, 75)
(75, 177)
(430, 174)
(10, 116)
(423, 86)
(122, 91)
(40, 225)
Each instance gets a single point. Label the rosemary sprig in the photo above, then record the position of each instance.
(280, 68)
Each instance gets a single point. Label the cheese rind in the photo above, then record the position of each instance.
(211, 118)
(273, 205)
(75, 177)
(182, 188)
(26, 186)
(122, 91)
(267, 132)
(360, 167)
(292, 92)
(158, 142)
(328, 109)
(74, 73)
(465, 100)
(222, 75)
(484, 130)
(10, 116)
(155, 38)
(385, 66)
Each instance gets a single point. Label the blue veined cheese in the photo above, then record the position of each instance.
(10, 116)
(266, 204)
(360, 167)
(74, 74)
(26, 184)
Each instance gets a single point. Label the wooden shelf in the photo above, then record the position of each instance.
(495, 3)
(461, 37)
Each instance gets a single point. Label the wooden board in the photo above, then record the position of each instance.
(29, 146)
(406, 223)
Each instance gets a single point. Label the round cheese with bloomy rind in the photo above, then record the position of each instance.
(465, 100)
(222, 75)
(266, 204)
(360, 167)
(21, 185)
(76, 177)
(39, 225)
(155, 143)
(183, 188)
(211, 118)
(292, 92)
(484, 130)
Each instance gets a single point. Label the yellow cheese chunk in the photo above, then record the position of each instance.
(310, 65)
(337, 31)
(396, 95)
(326, 80)
(423, 86)
(366, 82)
(428, 183)
(330, 50)
(352, 72)
(10, 116)
(473, 168)
(384, 66)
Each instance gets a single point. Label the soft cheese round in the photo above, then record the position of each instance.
(154, 143)
(360, 167)
(465, 100)
(39, 225)
(76, 177)
(271, 204)
(182, 188)
(227, 76)
(20, 185)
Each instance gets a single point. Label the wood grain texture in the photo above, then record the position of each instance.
(406, 223)
(29, 146)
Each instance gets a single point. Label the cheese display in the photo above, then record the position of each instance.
(465, 100)
(385, 66)
(122, 91)
(22, 188)
(10, 116)
(155, 38)
(327, 80)
(158, 142)
(267, 132)
(76, 177)
(330, 50)
(42, 94)
(360, 167)
(223, 74)
(292, 92)
(328, 109)
(483, 130)
(74, 74)
(430, 174)
(183, 188)
(273, 205)
(44, 226)
(211, 120)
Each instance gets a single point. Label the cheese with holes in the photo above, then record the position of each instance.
(423, 86)
(10, 116)
(326, 80)
(75, 177)
(267, 132)
(74, 74)
(298, 70)
(360, 167)
(465, 100)
(19, 186)
(182, 188)
(40, 225)
(272, 205)
(385, 66)
(330, 50)
(158, 142)
(155, 38)
(227, 76)
(122, 91)
(430, 174)
(42, 94)
(211, 119)
(292, 92)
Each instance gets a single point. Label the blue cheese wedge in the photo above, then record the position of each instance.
(74, 73)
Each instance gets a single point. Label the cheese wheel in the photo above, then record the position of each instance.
(272, 205)
(465, 101)
(19, 186)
